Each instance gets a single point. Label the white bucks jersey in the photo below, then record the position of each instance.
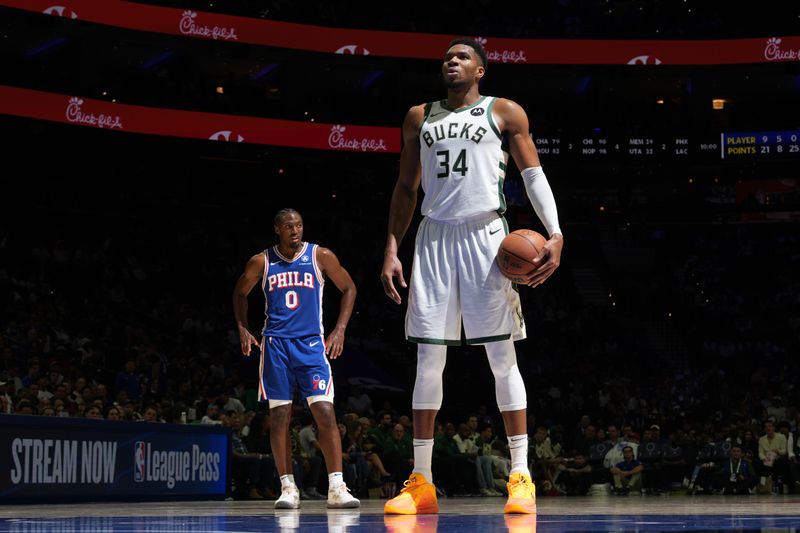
(463, 161)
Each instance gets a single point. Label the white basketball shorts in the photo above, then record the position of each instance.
(455, 275)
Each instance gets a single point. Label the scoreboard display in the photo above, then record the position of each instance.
(760, 144)
(596, 145)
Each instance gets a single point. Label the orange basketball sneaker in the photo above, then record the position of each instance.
(521, 523)
(395, 523)
(521, 494)
(417, 497)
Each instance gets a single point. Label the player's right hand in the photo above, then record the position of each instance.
(247, 340)
(391, 268)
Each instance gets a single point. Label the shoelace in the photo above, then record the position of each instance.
(408, 483)
(522, 481)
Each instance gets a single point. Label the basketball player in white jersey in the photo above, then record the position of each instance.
(454, 148)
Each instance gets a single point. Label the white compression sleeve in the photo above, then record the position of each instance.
(428, 391)
(541, 196)
(508, 384)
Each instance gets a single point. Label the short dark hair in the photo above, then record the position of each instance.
(282, 213)
(475, 45)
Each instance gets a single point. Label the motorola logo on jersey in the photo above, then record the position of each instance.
(478, 111)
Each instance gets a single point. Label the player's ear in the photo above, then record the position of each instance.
(480, 72)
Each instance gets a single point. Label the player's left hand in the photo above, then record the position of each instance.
(247, 340)
(334, 344)
(549, 259)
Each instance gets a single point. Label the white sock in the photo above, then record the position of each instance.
(423, 454)
(518, 447)
(335, 479)
(287, 481)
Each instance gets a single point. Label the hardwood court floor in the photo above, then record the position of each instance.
(464, 515)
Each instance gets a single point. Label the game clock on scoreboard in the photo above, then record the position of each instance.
(760, 144)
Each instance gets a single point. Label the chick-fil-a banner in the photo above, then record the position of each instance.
(73, 109)
(202, 25)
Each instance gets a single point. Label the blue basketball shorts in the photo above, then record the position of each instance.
(289, 362)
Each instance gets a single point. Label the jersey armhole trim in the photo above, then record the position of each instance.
(428, 108)
(491, 120)
(317, 270)
(266, 269)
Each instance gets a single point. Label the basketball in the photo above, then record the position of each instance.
(517, 252)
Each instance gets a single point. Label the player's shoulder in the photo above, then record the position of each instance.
(510, 115)
(419, 108)
(416, 113)
(259, 257)
(324, 253)
(503, 105)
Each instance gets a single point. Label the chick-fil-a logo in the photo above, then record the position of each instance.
(352, 49)
(226, 135)
(502, 56)
(60, 11)
(773, 52)
(336, 139)
(644, 60)
(77, 116)
(188, 26)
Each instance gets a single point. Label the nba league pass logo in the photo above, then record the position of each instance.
(172, 467)
(138, 461)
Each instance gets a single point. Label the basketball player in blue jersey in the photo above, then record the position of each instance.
(456, 149)
(293, 347)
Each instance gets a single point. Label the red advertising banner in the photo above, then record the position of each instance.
(218, 27)
(190, 124)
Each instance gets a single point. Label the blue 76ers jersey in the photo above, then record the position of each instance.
(293, 292)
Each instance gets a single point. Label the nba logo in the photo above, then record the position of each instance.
(138, 460)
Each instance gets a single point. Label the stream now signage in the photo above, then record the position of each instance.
(72, 459)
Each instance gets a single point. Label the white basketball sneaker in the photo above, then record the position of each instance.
(339, 497)
(289, 498)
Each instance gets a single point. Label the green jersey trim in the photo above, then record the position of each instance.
(493, 338)
(491, 120)
(428, 108)
(444, 105)
(445, 342)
